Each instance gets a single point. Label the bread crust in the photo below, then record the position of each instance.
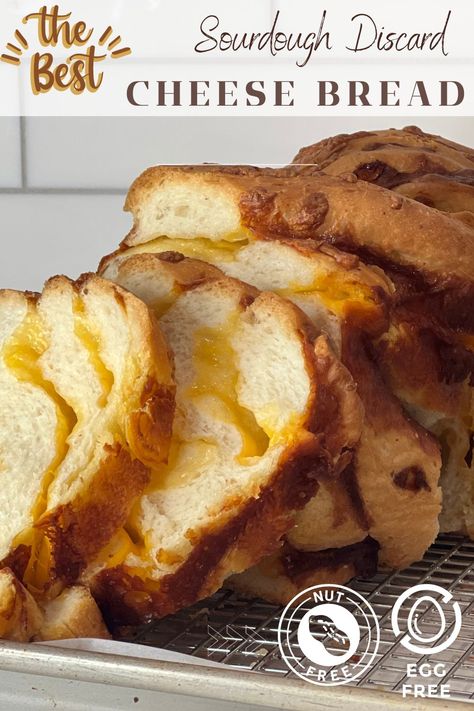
(421, 166)
(397, 465)
(282, 576)
(81, 528)
(20, 616)
(409, 139)
(72, 615)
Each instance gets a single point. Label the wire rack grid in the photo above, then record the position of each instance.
(242, 633)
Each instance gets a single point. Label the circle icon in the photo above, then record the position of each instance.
(438, 609)
(328, 635)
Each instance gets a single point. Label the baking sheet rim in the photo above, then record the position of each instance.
(189, 680)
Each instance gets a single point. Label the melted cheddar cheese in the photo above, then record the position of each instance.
(216, 379)
(118, 549)
(92, 346)
(21, 355)
(199, 248)
(339, 293)
(38, 570)
(214, 389)
(337, 290)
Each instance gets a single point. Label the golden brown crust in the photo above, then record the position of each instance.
(282, 576)
(402, 142)
(255, 531)
(415, 364)
(20, 616)
(443, 193)
(402, 519)
(336, 515)
(74, 614)
(340, 412)
(80, 529)
(353, 216)
(423, 167)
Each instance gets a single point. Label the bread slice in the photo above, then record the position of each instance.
(263, 415)
(73, 614)
(418, 165)
(234, 203)
(86, 407)
(20, 616)
(374, 497)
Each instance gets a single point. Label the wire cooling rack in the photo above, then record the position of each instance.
(242, 633)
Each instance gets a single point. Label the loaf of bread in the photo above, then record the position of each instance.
(269, 386)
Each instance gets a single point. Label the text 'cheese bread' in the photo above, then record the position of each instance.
(86, 407)
(259, 423)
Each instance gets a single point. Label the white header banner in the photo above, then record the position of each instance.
(246, 58)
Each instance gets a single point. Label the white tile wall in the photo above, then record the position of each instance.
(110, 153)
(43, 235)
(10, 153)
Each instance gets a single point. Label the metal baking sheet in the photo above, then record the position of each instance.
(241, 635)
